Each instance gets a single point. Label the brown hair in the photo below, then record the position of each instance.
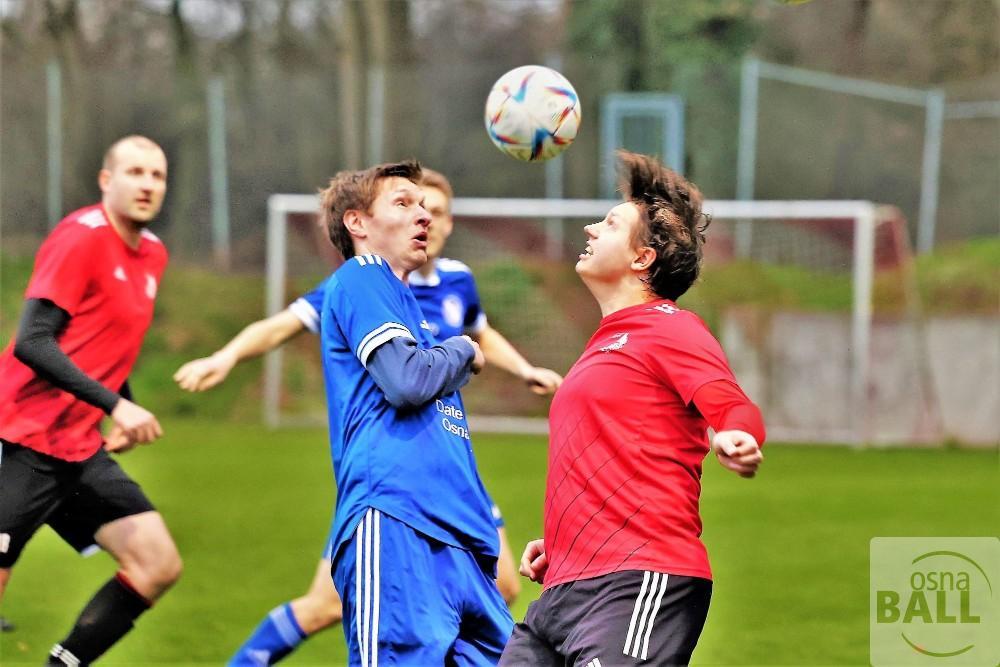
(670, 207)
(435, 179)
(356, 190)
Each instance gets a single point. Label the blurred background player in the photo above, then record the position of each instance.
(87, 308)
(448, 298)
(627, 579)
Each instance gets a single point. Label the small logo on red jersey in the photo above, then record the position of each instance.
(150, 286)
(620, 340)
(120, 274)
(666, 308)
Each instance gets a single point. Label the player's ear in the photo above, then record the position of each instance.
(644, 258)
(354, 221)
(104, 179)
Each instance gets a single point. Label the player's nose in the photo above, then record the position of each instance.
(590, 230)
(423, 217)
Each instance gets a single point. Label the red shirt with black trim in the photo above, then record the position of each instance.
(626, 447)
(108, 289)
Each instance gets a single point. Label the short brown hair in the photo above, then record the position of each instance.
(356, 190)
(435, 179)
(674, 224)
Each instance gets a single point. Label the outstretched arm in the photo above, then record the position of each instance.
(254, 340)
(499, 352)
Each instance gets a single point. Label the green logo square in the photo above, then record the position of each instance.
(934, 601)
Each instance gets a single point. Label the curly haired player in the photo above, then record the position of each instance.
(626, 576)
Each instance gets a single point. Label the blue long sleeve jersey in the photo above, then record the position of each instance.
(398, 432)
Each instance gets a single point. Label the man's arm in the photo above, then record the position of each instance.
(36, 348)
(499, 352)
(411, 377)
(254, 340)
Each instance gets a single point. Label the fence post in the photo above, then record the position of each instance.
(218, 171)
(53, 84)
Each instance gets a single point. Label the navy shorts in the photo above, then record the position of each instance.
(633, 617)
(75, 498)
(411, 600)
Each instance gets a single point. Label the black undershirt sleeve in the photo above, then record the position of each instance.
(36, 348)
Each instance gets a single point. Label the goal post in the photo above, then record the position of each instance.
(860, 218)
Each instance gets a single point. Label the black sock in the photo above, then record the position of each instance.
(105, 620)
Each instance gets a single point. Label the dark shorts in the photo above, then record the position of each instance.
(624, 618)
(74, 498)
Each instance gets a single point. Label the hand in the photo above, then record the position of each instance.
(542, 380)
(737, 451)
(534, 562)
(205, 373)
(479, 360)
(117, 442)
(138, 424)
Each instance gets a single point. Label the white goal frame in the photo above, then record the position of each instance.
(862, 213)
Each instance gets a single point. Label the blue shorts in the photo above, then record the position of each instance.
(328, 546)
(411, 600)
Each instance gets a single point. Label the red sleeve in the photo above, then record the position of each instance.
(687, 354)
(724, 405)
(63, 267)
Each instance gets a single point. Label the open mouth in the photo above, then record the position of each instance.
(587, 252)
(421, 240)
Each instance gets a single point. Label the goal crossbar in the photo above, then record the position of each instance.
(862, 213)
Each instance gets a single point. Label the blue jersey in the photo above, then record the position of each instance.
(448, 299)
(415, 465)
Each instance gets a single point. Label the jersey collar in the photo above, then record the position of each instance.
(433, 280)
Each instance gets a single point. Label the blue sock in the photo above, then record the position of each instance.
(277, 635)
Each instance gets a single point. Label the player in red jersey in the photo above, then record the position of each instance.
(626, 576)
(87, 307)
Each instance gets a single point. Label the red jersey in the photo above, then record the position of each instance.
(626, 447)
(108, 289)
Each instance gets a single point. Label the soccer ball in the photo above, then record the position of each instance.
(532, 113)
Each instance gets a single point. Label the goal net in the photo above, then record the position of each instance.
(814, 302)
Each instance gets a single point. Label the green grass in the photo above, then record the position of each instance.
(250, 509)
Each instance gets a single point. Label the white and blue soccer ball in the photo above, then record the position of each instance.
(532, 113)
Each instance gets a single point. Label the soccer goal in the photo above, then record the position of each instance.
(789, 287)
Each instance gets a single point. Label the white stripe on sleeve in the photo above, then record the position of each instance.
(378, 336)
(303, 310)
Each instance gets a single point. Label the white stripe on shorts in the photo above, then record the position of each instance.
(647, 604)
(367, 582)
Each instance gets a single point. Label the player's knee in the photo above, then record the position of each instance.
(330, 615)
(327, 607)
(170, 569)
(315, 612)
(162, 566)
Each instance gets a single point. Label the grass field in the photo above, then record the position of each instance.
(250, 509)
